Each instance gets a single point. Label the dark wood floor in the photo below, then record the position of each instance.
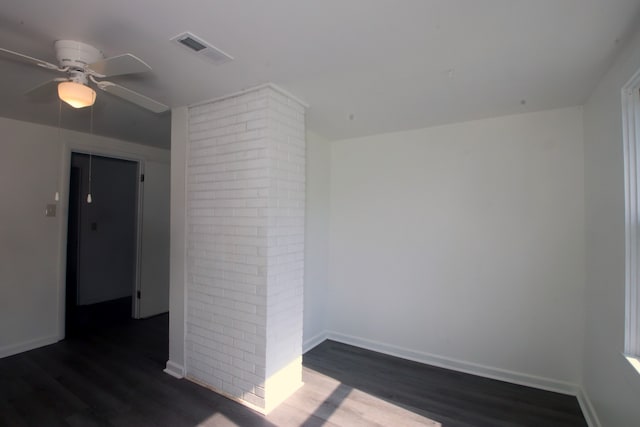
(114, 377)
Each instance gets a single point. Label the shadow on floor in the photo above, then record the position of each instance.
(451, 398)
(112, 377)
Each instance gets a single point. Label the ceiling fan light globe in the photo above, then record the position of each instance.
(77, 95)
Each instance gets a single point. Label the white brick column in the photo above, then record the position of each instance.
(245, 245)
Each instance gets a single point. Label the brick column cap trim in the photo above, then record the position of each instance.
(272, 86)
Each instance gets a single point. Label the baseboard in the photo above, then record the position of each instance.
(458, 365)
(313, 341)
(588, 410)
(174, 369)
(10, 350)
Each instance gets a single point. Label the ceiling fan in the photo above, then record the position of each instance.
(84, 64)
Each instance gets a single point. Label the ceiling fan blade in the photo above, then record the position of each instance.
(118, 65)
(133, 97)
(29, 59)
(44, 92)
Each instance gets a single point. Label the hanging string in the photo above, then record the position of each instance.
(89, 199)
(91, 121)
(56, 197)
(59, 119)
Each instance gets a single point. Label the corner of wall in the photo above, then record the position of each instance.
(179, 135)
(587, 409)
(317, 226)
(314, 341)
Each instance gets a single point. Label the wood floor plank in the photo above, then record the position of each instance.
(113, 377)
(452, 395)
(9, 416)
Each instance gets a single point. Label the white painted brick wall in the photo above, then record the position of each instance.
(285, 242)
(245, 241)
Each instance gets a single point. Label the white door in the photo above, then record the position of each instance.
(154, 257)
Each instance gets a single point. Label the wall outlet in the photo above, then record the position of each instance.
(50, 210)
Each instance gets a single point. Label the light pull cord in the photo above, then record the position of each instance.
(56, 197)
(89, 198)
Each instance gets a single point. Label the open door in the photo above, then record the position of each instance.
(101, 242)
(153, 296)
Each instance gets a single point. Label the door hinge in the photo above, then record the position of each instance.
(138, 294)
(141, 177)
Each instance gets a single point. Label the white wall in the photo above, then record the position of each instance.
(463, 245)
(29, 258)
(612, 386)
(316, 257)
(34, 164)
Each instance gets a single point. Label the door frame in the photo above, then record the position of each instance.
(98, 150)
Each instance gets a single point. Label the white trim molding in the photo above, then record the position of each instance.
(253, 89)
(634, 361)
(631, 143)
(10, 350)
(175, 370)
(315, 340)
(588, 410)
(459, 365)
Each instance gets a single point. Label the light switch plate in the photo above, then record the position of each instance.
(50, 210)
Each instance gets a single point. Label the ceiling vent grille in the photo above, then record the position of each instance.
(195, 44)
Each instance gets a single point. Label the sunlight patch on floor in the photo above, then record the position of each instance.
(372, 409)
(339, 404)
(218, 419)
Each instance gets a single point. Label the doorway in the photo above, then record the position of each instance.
(102, 242)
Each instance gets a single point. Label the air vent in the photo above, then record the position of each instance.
(196, 45)
(192, 43)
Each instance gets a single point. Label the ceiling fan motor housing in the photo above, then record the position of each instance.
(76, 55)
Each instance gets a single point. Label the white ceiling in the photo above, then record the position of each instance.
(390, 65)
